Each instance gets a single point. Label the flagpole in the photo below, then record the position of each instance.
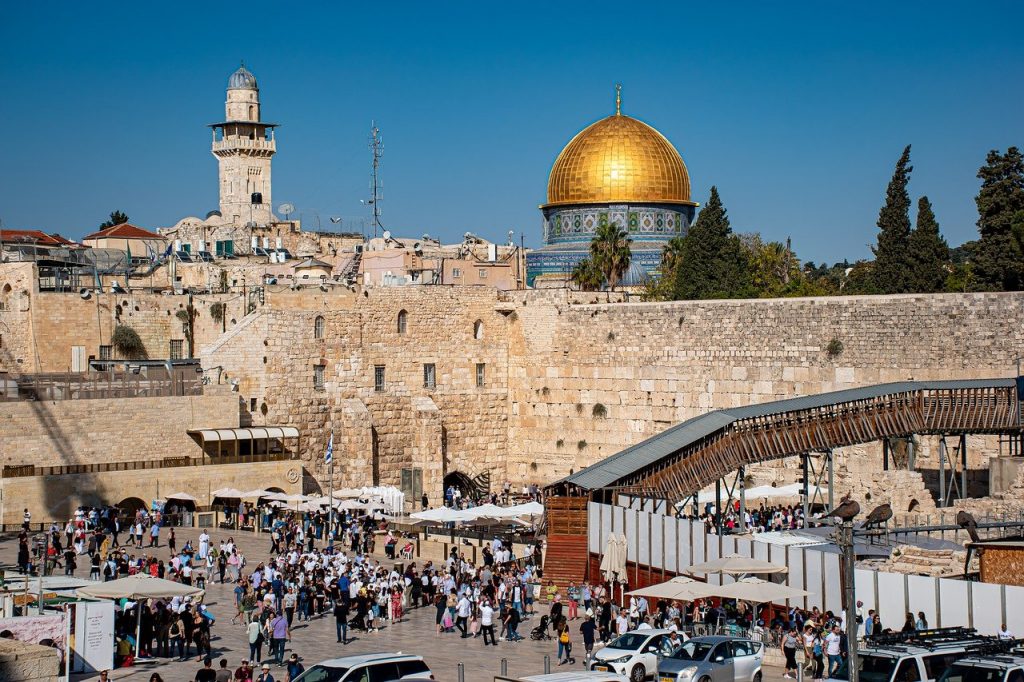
(330, 506)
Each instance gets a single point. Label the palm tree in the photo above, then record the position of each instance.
(610, 252)
(586, 276)
(671, 256)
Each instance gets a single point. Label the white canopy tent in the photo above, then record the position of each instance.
(679, 588)
(137, 587)
(734, 564)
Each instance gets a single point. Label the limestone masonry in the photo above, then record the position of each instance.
(423, 383)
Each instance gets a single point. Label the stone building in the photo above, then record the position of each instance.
(617, 171)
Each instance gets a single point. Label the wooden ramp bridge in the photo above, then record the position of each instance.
(676, 463)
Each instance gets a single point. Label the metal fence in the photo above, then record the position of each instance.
(147, 381)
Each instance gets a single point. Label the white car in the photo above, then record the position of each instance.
(635, 654)
(368, 668)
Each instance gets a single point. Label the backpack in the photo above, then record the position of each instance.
(564, 637)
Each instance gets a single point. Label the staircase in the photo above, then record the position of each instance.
(351, 269)
(566, 556)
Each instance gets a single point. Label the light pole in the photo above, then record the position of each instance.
(850, 597)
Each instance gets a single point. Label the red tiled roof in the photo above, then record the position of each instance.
(123, 231)
(31, 237)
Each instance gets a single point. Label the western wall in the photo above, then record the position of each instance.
(571, 379)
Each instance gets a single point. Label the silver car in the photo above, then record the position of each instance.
(713, 659)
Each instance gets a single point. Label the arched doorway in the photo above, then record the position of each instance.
(130, 505)
(469, 487)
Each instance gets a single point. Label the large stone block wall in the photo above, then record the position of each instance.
(28, 662)
(651, 365)
(70, 432)
(455, 426)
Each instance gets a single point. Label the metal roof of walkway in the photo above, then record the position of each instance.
(688, 456)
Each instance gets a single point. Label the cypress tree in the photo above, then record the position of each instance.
(891, 273)
(998, 260)
(929, 252)
(712, 263)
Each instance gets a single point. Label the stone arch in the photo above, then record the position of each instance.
(130, 505)
(460, 480)
(274, 489)
(403, 321)
(478, 330)
(318, 327)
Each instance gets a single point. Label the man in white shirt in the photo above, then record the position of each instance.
(462, 609)
(621, 623)
(487, 622)
(1004, 632)
(832, 644)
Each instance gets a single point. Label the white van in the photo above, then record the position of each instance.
(921, 656)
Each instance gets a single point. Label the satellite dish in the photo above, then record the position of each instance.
(286, 209)
(386, 235)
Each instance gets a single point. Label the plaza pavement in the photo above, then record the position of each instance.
(315, 640)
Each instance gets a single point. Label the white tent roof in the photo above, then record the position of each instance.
(736, 563)
(758, 591)
(680, 588)
(443, 515)
(181, 496)
(228, 493)
(139, 586)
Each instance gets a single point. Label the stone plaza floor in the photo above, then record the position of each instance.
(315, 640)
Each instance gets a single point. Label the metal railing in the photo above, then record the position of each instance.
(149, 382)
(22, 470)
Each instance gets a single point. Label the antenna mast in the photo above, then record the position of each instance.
(377, 147)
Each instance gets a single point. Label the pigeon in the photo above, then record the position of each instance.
(846, 510)
(878, 516)
(967, 522)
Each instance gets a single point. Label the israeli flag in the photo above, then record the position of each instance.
(329, 456)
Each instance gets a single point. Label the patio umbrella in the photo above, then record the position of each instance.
(227, 494)
(528, 509)
(758, 591)
(184, 497)
(137, 587)
(613, 562)
(679, 588)
(444, 515)
(494, 511)
(735, 563)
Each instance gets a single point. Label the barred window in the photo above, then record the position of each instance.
(318, 377)
(318, 327)
(429, 376)
(403, 320)
(480, 370)
(177, 346)
(106, 353)
(378, 378)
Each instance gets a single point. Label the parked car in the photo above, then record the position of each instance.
(368, 668)
(1001, 668)
(574, 676)
(635, 654)
(713, 659)
(920, 656)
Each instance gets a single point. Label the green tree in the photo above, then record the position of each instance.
(610, 253)
(998, 262)
(712, 263)
(891, 273)
(929, 252)
(116, 218)
(774, 269)
(586, 276)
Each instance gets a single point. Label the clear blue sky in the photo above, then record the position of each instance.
(797, 112)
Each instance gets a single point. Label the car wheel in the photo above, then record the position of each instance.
(638, 673)
(757, 676)
(705, 679)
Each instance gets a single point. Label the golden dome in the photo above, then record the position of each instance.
(618, 160)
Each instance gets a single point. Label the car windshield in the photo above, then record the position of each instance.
(959, 672)
(693, 651)
(319, 673)
(629, 641)
(873, 668)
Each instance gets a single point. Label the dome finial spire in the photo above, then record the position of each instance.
(618, 99)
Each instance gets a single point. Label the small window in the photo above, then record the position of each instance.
(456, 273)
(482, 272)
(478, 330)
(480, 369)
(177, 346)
(106, 353)
(429, 376)
(318, 377)
(318, 327)
(406, 668)
(403, 321)
(252, 404)
(378, 378)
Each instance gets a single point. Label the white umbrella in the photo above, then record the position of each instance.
(184, 497)
(348, 492)
(228, 493)
(494, 511)
(528, 509)
(444, 515)
(758, 591)
(679, 588)
(613, 563)
(137, 587)
(256, 494)
(736, 563)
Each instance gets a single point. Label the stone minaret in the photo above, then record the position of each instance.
(244, 146)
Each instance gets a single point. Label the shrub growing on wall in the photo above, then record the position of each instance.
(127, 343)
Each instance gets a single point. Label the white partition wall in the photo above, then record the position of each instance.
(669, 544)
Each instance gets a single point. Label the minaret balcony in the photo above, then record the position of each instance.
(232, 144)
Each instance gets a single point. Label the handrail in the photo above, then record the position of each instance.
(23, 470)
